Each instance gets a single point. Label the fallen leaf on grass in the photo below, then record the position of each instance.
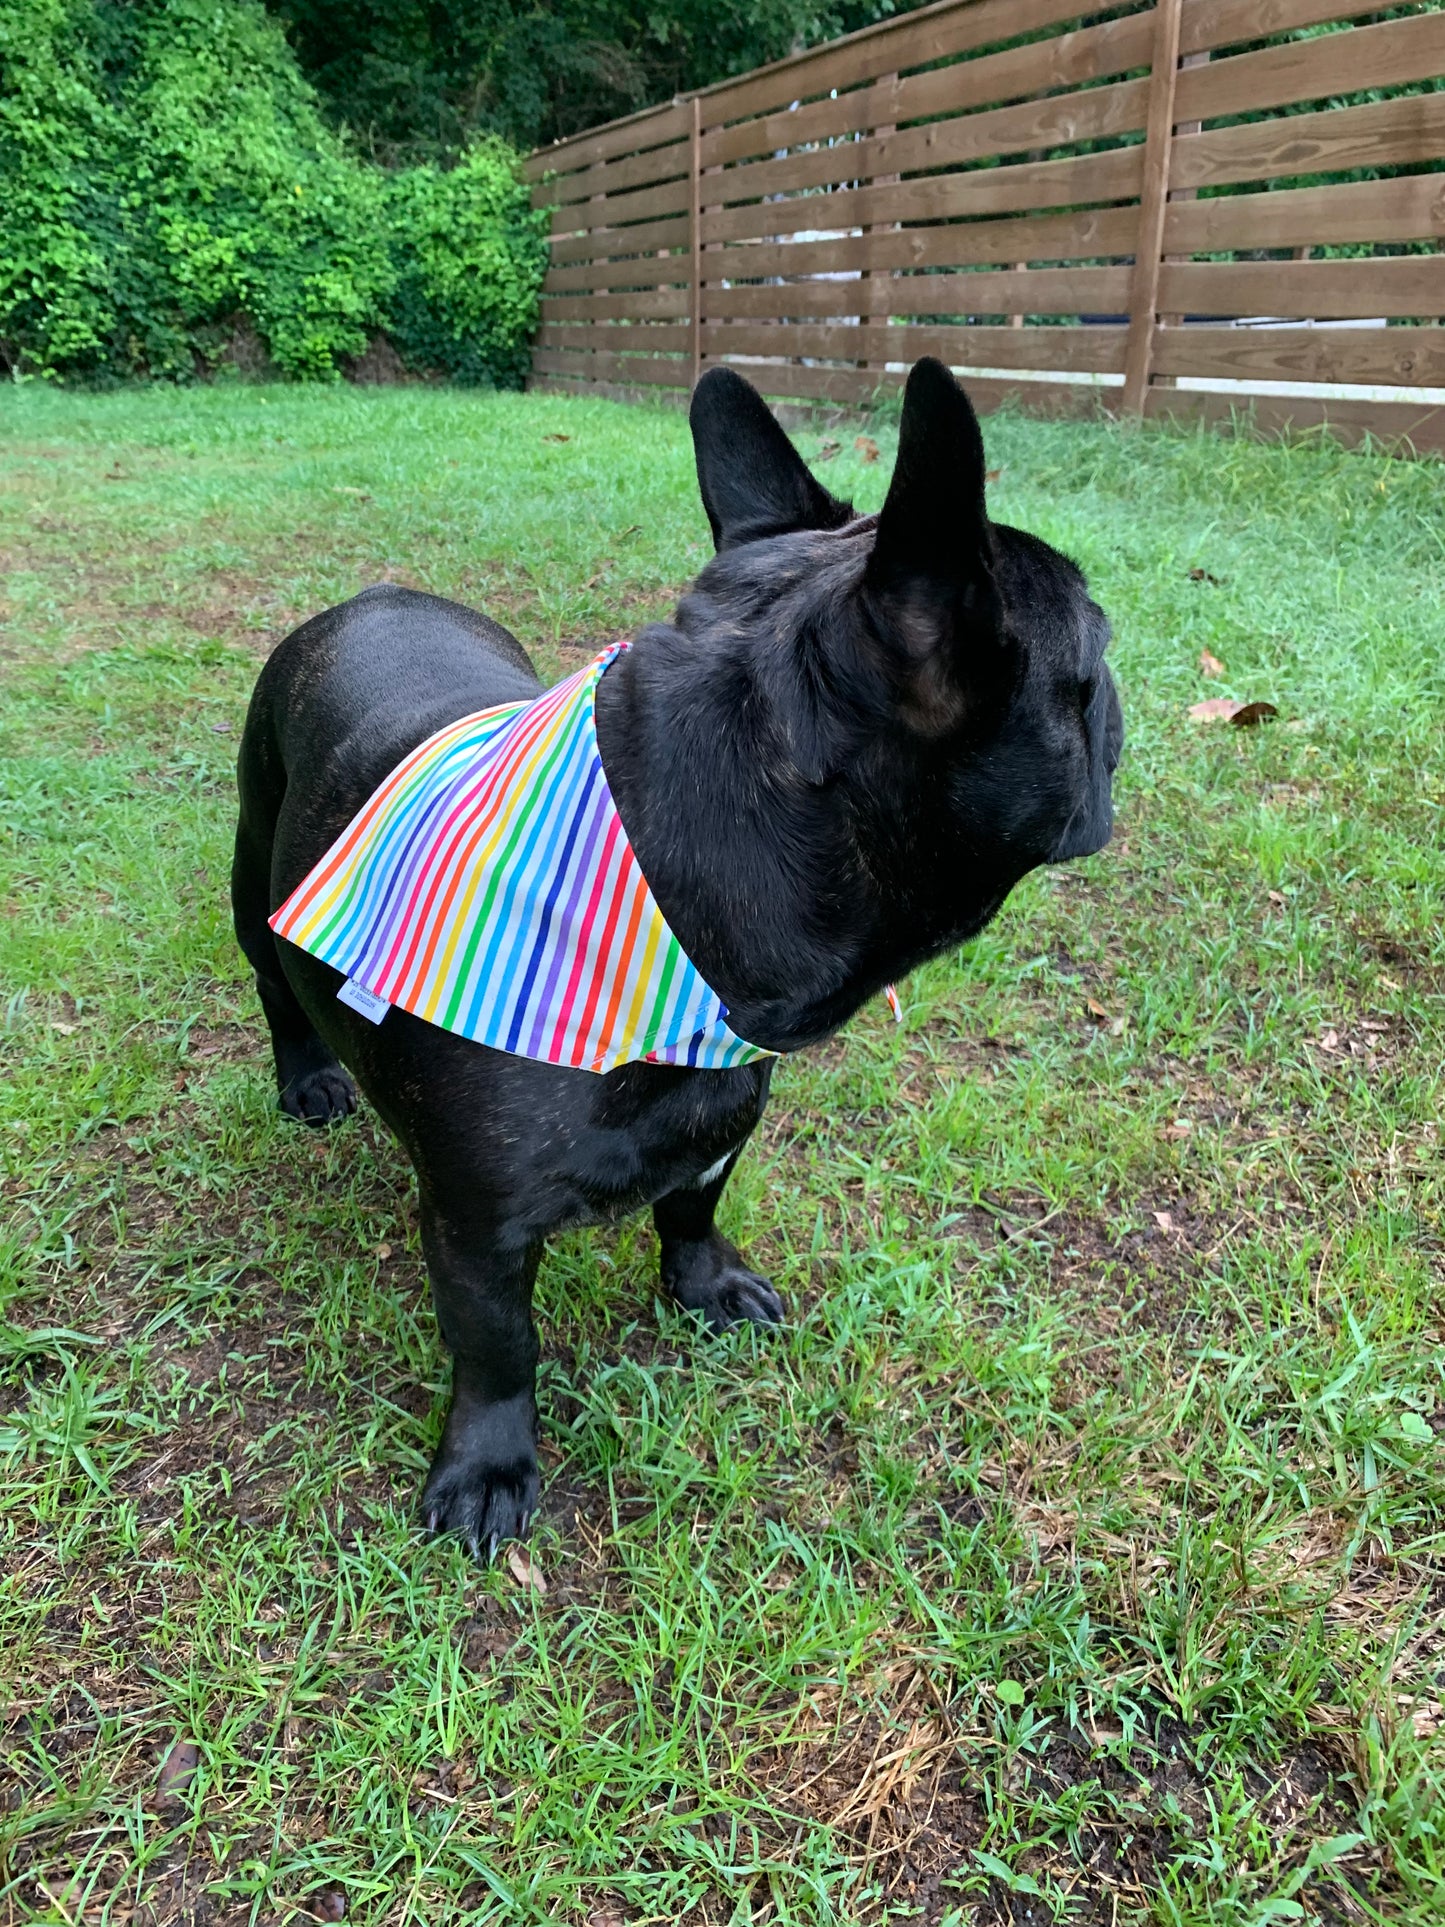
(525, 1570)
(329, 1906)
(383, 1252)
(1210, 665)
(66, 1030)
(601, 576)
(178, 1769)
(1330, 1041)
(1278, 898)
(220, 729)
(1203, 575)
(65, 1900)
(1181, 1127)
(635, 529)
(867, 448)
(1096, 1010)
(556, 438)
(992, 474)
(1219, 709)
(1426, 1719)
(829, 450)
(1164, 1220)
(1104, 1734)
(341, 488)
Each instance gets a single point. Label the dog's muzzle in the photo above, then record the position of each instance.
(1092, 823)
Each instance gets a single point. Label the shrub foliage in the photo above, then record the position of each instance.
(166, 174)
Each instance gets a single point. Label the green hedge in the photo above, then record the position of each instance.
(165, 172)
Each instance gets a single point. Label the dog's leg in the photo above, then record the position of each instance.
(483, 1481)
(700, 1269)
(312, 1084)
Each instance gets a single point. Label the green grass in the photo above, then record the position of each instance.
(1075, 1554)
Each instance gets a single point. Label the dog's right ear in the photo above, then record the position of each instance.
(753, 481)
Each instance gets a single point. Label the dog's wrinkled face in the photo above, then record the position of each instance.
(942, 669)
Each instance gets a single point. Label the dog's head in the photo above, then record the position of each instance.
(942, 673)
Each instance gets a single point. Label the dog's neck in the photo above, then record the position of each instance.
(794, 911)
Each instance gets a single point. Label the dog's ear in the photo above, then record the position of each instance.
(929, 584)
(753, 481)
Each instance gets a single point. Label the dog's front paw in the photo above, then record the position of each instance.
(485, 1503)
(484, 1481)
(320, 1097)
(710, 1277)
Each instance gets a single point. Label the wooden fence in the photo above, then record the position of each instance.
(1126, 208)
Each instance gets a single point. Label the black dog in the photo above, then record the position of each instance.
(855, 736)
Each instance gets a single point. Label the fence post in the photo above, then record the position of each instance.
(694, 206)
(1153, 197)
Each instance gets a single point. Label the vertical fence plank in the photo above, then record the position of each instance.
(882, 88)
(1182, 194)
(694, 209)
(1158, 144)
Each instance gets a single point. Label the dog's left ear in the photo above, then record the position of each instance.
(929, 584)
(753, 481)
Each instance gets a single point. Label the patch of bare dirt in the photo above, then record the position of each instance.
(379, 365)
(911, 1784)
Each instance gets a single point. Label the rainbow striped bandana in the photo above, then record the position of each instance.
(489, 887)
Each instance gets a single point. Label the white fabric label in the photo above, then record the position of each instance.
(357, 997)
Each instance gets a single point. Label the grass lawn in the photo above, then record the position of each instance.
(1076, 1553)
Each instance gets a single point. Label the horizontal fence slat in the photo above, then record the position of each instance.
(1095, 113)
(1081, 178)
(1411, 208)
(1383, 133)
(1088, 53)
(1206, 24)
(612, 177)
(1389, 357)
(1075, 350)
(644, 337)
(1092, 115)
(1051, 291)
(666, 370)
(1347, 290)
(1040, 237)
(644, 204)
(608, 242)
(1392, 54)
(645, 271)
(662, 304)
(1347, 418)
(652, 127)
(913, 41)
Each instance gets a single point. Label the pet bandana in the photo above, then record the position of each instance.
(489, 887)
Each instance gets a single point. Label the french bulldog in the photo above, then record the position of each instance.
(856, 734)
